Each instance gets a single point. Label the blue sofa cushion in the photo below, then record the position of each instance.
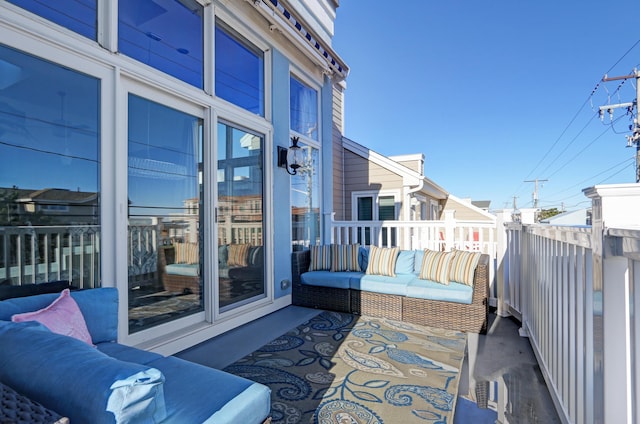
(382, 283)
(405, 262)
(229, 399)
(127, 353)
(453, 292)
(77, 380)
(338, 280)
(98, 306)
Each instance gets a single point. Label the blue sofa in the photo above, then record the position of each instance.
(111, 382)
(403, 297)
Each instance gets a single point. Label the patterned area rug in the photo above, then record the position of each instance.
(343, 369)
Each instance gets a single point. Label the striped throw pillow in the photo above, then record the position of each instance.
(344, 257)
(238, 255)
(186, 253)
(382, 261)
(463, 266)
(435, 266)
(320, 258)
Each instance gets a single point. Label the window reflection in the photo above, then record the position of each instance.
(77, 15)
(165, 241)
(239, 75)
(49, 144)
(165, 34)
(303, 104)
(305, 200)
(240, 217)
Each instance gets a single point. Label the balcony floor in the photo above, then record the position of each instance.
(500, 382)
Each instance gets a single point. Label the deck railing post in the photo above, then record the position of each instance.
(449, 229)
(503, 217)
(613, 370)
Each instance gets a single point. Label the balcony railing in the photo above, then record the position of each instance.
(47, 253)
(576, 291)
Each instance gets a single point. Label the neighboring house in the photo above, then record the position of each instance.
(49, 206)
(578, 217)
(376, 187)
(466, 210)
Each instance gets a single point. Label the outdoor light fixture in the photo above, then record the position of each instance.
(291, 157)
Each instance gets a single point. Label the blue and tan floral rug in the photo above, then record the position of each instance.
(344, 369)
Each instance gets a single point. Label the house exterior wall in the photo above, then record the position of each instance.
(464, 211)
(284, 51)
(365, 175)
(339, 203)
(414, 162)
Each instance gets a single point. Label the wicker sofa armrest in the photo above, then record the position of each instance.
(300, 261)
(481, 281)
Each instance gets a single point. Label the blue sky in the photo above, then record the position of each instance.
(494, 94)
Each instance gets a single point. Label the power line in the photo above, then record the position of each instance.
(575, 116)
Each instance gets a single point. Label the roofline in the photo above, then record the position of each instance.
(471, 205)
(434, 189)
(281, 16)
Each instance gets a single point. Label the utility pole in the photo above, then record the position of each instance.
(535, 190)
(634, 138)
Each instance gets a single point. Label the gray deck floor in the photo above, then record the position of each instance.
(500, 382)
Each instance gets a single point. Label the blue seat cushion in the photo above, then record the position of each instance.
(76, 379)
(426, 289)
(187, 270)
(127, 353)
(188, 385)
(382, 283)
(338, 280)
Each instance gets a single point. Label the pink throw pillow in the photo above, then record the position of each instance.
(63, 316)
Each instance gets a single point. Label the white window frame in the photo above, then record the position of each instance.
(375, 194)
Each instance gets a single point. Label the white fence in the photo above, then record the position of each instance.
(47, 253)
(576, 291)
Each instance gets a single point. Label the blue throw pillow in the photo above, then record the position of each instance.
(363, 258)
(77, 380)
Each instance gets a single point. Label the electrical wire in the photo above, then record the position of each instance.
(574, 117)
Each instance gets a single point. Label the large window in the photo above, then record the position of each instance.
(77, 15)
(165, 208)
(303, 104)
(49, 183)
(165, 34)
(239, 70)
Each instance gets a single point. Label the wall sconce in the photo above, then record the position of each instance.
(291, 157)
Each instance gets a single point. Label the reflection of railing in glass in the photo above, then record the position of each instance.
(35, 254)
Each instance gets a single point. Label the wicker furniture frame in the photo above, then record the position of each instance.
(470, 318)
(174, 282)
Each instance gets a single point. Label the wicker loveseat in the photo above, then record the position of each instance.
(404, 297)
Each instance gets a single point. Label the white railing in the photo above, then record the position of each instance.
(576, 291)
(47, 253)
(411, 235)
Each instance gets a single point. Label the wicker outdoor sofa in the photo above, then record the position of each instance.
(434, 313)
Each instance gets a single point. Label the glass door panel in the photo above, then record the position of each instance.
(240, 217)
(165, 199)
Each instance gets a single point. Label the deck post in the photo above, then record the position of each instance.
(613, 206)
